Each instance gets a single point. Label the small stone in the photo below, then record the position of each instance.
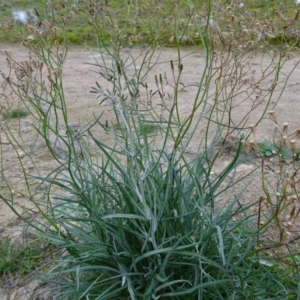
(26, 292)
(21, 154)
(3, 294)
(34, 144)
(30, 38)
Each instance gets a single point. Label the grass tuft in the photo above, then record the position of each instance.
(14, 114)
(21, 259)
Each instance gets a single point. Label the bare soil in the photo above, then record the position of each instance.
(79, 77)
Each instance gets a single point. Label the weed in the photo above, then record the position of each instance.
(20, 258)
(281, 182)
(267, 148)
(14, 114)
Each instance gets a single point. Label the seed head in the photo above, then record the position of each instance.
(252, 127)
(293, 145)
(20, 17)
(285, 128)
(253, 145)
(272, 116)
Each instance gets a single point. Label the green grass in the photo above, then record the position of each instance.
(21, 259)
(79, 30)
(14, 114)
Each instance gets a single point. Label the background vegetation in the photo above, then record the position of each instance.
(79, 30)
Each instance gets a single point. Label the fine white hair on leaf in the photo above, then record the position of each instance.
(20, 16)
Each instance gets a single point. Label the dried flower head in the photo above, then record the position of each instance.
(272, 116)
(253, 130)
(293, 145)
(253, 145)
(285, 128)
(245, 145)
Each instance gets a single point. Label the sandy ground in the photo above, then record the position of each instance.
(83, 106)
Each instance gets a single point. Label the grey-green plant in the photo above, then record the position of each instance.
(149, 213)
